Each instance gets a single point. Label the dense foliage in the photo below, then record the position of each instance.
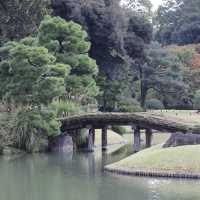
(68, 43)
(161, 73)
(25, 73)
(101, 56)
(197, 100)
(32, 128)
(143, 7)
(154, 104)
(20, 18)
(37, 71)
(189, 57)
(118, 36)
(178, 22)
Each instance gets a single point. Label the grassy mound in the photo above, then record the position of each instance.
(177, 160)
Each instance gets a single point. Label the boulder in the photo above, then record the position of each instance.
(38, 143)
(61, 144)
(180, 139)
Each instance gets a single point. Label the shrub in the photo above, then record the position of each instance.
(66, 108)
(129, 105)
(152, 94)
(154, 104)
(7, 121)
(197, 100)
(32, 128)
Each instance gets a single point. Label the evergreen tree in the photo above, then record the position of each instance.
(26, 75)
(35, 72)
(161, 72)
(68, 43)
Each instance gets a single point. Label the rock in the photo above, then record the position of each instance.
(180, 139)
(38, 143)
(62, 144)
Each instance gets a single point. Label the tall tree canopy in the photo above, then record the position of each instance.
(161, 73)
(26, 75)
(38, 71)
(60, 48)
(140, 6)
(69, 44)
(20, 18)
(117, 37)
(178, 22)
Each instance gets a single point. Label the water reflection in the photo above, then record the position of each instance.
(152, 188)
(91, 165)
(80, 176)
(104, 160)
(175, 188)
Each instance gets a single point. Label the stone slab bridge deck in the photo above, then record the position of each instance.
(138, 121)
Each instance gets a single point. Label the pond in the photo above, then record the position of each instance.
(80, 177)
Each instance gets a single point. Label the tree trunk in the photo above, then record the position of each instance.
(104, 138)
(143, 93)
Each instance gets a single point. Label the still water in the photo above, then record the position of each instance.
(80, 177)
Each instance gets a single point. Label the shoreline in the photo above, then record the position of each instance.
(148, 173)
(175, 162)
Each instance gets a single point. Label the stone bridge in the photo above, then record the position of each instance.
(144, 120)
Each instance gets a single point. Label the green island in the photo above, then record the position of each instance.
(99, 99)
(159, 162)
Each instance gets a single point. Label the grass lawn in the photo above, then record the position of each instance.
(186, 116)
(183, 159)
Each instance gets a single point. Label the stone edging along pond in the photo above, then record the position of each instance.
(158, 174)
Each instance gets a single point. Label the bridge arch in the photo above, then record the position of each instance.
(138, 121)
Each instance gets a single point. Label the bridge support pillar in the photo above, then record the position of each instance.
(136, 146)
(104, 138)
(93, 137)
(149, 136)
(91, 133)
